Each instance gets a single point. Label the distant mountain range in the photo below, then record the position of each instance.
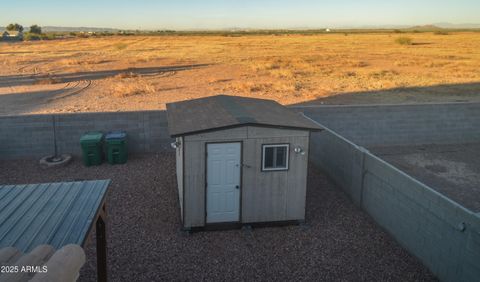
(449, 25)
(417, 27)
(85, 29)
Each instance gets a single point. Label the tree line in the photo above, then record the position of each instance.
(35, 29)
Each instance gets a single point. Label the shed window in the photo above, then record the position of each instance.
(275, 157)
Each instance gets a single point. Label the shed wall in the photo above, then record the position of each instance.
(179, 164)
(274, 195)
(194, 185)
(266, 196)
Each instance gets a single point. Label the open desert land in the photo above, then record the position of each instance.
(123, 73)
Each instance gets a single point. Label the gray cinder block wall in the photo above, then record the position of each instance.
(35, 135)
(32, 136)
(416, 124)
(26, 136)
(442, 234)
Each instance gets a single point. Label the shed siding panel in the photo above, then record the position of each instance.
(267, 132)
(274, 195)
(179, 165)
(297, 182)
(264, 195)
(249, 180)
(226, 134)
(194, 184)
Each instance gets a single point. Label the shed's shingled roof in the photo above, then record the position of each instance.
(222, 111)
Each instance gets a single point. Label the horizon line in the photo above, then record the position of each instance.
(299, 28)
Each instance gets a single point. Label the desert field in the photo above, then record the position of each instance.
(124, 73)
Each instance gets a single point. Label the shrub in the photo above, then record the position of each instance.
(30, 36)
(299, 85)
(49, 36)
(47, 81)
(440, 32)
(404, 41)
(131, 87)
(35, 29)
(126, 75)
(397, 31)
(383, 74)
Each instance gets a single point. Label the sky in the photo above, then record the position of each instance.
(217, 14)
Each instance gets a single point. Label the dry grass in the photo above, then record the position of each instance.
(127, 74)
(404, 41)
(47, 81)
(123, 87)
(289, 69)
(82, 62)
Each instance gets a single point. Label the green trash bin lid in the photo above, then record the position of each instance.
(91, 137)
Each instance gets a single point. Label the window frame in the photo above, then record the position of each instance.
(264, 146)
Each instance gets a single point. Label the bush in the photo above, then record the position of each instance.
(440, 32)
(404, 41)
(31, 36)
(35, 29)
(397, 31)
(49, 36)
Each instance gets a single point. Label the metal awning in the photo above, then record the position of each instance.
(55, 214)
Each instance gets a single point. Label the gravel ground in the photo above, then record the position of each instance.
(453, 170)
(338, 242)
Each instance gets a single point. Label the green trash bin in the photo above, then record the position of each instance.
(116, 143)
(91, 143)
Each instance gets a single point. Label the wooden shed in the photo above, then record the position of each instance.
(239, 161)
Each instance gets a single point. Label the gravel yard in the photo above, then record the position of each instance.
(338, 241)
(453, 170)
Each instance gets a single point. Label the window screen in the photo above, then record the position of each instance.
(275, 157)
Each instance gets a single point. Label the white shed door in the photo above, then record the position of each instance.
(223, 182)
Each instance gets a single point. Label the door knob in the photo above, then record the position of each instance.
(237, 186)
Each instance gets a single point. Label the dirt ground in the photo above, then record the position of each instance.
(339, 242)
(146, 72)
(452, 170)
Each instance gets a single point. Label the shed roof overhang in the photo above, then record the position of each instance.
(224, 112)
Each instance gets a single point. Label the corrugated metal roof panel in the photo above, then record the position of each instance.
(55, 214)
